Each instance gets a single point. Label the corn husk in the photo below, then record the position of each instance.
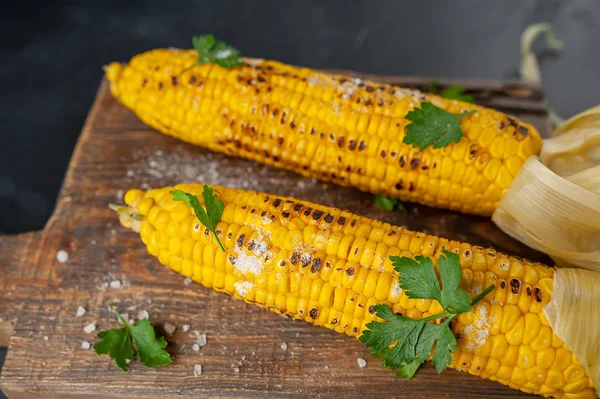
(574, 315)
(530, 68)
(576, 144)
(553, 214)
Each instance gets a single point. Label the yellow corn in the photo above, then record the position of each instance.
(338, 129)
(329, 267)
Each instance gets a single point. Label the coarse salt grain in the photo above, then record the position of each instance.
(247, 263)
(45, 338)
(197, 370)
(243, 287)
(115, 284)
(80, 311)
(90, 328)
(284, 346)
(85, 345)
(261, 248)
(396, 290)
(201, 339)
(187, 281)
(195, 347)
(185, 327)
(169, 328)
(362, 363)
(62, 256)
(478, 332)
(143, 314)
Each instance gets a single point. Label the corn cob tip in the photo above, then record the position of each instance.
(112, 71)
(128, 217)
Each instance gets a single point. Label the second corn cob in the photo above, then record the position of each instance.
(336, 128)
(329, 267)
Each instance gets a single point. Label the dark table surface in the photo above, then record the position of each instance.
(53, 54)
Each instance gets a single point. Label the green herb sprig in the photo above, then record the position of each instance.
(453, 92)
(117, 344)
(209, 217)
(403, 343)
(458, 93)
(388, 204)
(432, 125)
(214, 51)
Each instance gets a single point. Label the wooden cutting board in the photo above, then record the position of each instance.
(245, 356)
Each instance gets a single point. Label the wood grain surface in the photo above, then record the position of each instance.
(244, 358)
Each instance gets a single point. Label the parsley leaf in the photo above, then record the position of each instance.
(403, 343)
(418, 278)
(452, 92)
(458, 93)
(215, 51)
(433, 125)
(117, 344)
(388, 204)
(150, 349)
(453, 298)
(408, 370)
(209, 217)
(446, 345)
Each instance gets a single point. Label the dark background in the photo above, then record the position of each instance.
(53, 53)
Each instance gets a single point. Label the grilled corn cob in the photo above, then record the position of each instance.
(329, 267)
(336, 128)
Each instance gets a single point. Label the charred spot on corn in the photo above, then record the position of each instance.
(538, 294)
(316, 265)
(294, 258)
(313, 313)
(240, 240)
(305, 259)
(515, 286)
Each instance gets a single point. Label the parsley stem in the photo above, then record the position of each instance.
(218, 241)
(187, 69)
(483, 294)
(125, 323)
(449, 315)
